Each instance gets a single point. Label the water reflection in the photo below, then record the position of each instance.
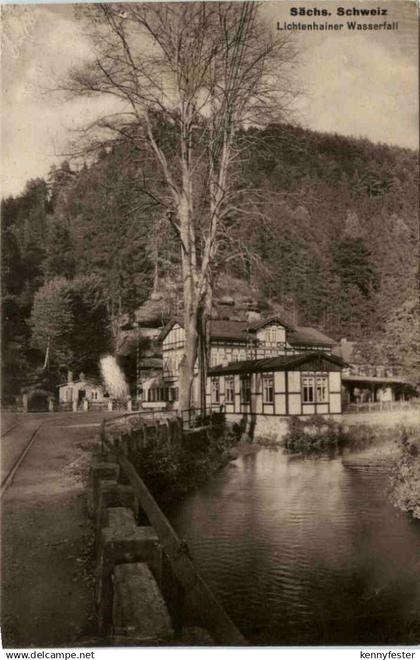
(306, 551)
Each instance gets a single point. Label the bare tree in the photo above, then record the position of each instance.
(188, 80)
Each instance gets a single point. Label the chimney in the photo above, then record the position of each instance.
(69, 376)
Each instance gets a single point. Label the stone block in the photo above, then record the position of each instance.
(103, 471)
(124, 443)
(119, 517)
(139, 613)
(121, 544)
(110, 457)
(111, 494)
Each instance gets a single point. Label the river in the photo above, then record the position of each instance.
(306, 551)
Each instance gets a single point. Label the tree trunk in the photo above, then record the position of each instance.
(202, 356)
(188, 362)
(189, 277)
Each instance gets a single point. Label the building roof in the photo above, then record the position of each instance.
(87, 381)
(385, 380)
(229, 330)
(256, 325)
(305, 335)
(279, 363)
(244, 331)
(219, 329)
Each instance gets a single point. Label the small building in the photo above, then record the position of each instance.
(80, 389)
(300, 384)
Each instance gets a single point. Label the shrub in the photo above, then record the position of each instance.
(316, 433)
(171, 469)
(405, 476)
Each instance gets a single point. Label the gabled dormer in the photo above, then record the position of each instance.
(270, 333)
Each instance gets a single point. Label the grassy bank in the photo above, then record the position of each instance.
(318, 434)
(405, 473)
(395, 448)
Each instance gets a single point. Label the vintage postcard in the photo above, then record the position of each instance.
(210, 327)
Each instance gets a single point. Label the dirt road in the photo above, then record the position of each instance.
(47, 586)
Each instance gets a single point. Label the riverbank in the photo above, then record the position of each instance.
(173, 461)
(386, 418)
(395, 449)
(405, 476)
(173, 465)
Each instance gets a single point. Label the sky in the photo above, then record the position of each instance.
(362, 85)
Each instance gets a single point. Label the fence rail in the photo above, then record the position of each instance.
(380, 406)
(195, 417)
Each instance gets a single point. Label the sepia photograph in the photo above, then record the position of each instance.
(210, 329)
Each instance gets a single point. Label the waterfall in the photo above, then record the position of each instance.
(113, 378)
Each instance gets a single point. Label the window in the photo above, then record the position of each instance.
(94, 395)
(308, 385)
(268, 389)
(245, 389)
(215, 390)
(315, 388)
(230, 389)
(271, 334)
(322, 389)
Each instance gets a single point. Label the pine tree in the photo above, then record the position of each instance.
(59, 255)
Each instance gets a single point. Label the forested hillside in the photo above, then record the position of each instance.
(325, 226)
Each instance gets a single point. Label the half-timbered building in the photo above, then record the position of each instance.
(267, 367)
(295, 384)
